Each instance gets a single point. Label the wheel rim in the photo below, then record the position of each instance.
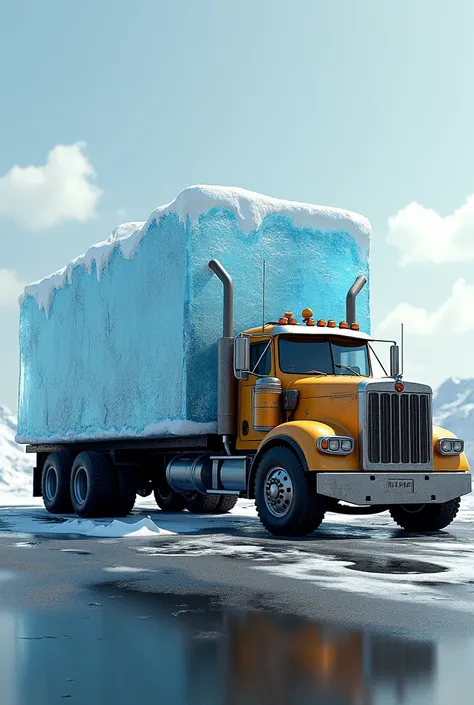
(278, 492)
(163, 493)
(413, 508)
(50, 483)
(80, 485)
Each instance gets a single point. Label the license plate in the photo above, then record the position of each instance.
(401, 485)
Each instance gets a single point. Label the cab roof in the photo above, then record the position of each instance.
(277, 329)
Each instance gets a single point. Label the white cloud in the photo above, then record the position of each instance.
(11, 287)
(422, 235)
(455, 315)
(44, 196)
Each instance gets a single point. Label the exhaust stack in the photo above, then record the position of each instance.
(355, 289)
(226, 412)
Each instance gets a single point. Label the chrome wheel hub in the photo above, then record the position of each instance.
(278, 492)
(50, 483)
(80, 485)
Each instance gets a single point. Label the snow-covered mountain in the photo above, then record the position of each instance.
(16, 474)
(453, 408)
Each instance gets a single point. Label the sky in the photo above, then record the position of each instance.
(109, 109)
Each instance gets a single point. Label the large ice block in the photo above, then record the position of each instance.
(123, 341)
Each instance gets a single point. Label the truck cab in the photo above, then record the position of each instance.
(319, 429)
(319, 370)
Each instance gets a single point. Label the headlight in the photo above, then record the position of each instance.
(335, 445)
(450, 446)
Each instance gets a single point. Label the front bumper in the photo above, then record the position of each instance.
(393, 488)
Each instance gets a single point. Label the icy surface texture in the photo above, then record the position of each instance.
(122, 341)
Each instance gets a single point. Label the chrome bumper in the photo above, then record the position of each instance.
(393, 488)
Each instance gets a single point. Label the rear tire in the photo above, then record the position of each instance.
(55, 483)
(197, 503)
(93, 485)
(285, 494)
(166, 498)
(226, 503)
(126, 493)
(425, 517)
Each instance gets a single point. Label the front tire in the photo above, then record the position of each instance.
(93, 485)
(55, 481)
(285, 495)
(425, 517)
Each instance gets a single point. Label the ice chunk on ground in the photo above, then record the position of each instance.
(114, 529)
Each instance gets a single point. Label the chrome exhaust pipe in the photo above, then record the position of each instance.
(355, 289)
(226, 404)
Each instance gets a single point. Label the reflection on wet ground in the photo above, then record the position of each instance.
(397, 566)
(125, 647)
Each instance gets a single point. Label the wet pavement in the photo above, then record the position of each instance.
(125, 646)
(356, 615)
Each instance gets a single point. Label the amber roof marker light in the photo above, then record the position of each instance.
(307, 315)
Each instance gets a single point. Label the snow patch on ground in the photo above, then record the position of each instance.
(114, 529)
(145, 522)
(16, 467)
(27, 515)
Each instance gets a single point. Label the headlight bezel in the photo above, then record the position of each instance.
(337, 443)
(446, 446)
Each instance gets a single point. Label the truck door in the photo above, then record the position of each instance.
(264, 367)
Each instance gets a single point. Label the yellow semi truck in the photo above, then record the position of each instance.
(304, 427)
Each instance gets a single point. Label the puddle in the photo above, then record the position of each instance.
(191, 650)
(396, 566)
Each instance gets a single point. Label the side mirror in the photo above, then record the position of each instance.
(394, 360)
(241, 356)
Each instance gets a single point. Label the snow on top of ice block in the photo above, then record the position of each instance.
(250, 209)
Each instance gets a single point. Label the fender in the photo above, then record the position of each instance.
(445, 463)
(301, 437)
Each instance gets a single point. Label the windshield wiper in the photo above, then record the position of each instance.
(317, 372)
(345, 367)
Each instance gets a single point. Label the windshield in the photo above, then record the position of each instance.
(306, 355)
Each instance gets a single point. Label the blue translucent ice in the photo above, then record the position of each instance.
(135, 353)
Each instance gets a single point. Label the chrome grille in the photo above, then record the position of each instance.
(398, 430)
